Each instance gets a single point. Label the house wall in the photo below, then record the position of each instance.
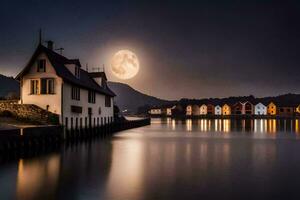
(238, 109)
(285, 111)
(179, 110)
(105, 117)
(189, 110)
(155, 111)
(218, 110)
(248, 108)
(297, 110)
(169, 111)
(71, 68)
(195, 110)
(42, 100)
(210, 109)
(163, 111)
(98, 80)
(203, 110)
(260, 109)
(271, 109)
(226, 110)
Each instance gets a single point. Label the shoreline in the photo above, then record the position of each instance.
(227, 117)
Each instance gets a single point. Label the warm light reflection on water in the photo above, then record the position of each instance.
(170, 159)
(173, 125)
(297, 129)
(266, 126)
(128, 156)
(189, 125)
(34, 175)
(226, 125)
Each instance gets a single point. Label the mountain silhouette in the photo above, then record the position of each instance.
(131, 100)
(8, 87)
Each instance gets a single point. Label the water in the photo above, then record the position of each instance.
(201, 159)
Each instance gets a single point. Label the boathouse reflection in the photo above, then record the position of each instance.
(268, 126)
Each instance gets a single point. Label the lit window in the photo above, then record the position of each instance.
(34, 87)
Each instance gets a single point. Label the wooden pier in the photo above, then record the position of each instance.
(50, 136)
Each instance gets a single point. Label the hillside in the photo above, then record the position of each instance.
(284, 100)
(131, 99)
(8, 87)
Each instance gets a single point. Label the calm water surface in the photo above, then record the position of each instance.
(201, 159)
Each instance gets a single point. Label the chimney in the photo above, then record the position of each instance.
(50, 44)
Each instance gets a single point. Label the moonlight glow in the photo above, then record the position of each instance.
(125, 64)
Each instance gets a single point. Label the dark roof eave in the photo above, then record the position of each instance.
(111, 94)
(35, 54)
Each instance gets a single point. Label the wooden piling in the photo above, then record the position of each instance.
(48, 136)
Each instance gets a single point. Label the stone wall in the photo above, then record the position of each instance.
(28, 112)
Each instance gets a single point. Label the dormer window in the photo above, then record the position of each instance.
(77, 72)
(41, 65)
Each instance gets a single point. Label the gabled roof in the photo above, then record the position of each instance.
(58, 62)
(227, 104)
(260, 103)
(236, 104)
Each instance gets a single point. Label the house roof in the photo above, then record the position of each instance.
(58, 62)
(260, 103)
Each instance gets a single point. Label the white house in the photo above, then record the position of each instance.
(59, 85)
(155, 111)
(203, 109)
(260, 109)
(164, 110)
(189, 110)
(218, 110)
(169, 110)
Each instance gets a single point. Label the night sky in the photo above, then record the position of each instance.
(186, 48)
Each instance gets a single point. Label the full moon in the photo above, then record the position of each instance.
(125, 64)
